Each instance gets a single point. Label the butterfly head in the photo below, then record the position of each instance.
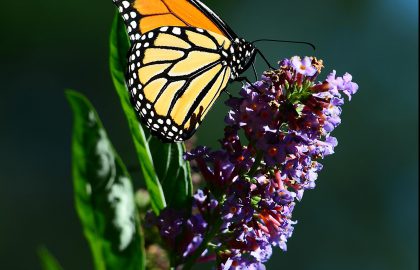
(242, 54)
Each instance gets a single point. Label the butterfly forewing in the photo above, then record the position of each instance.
(175, 75)
(142, 16)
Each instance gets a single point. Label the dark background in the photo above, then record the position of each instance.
(363, 213)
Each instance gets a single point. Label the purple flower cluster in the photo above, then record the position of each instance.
(252, 184)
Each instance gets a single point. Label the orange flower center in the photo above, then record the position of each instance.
(273, 151)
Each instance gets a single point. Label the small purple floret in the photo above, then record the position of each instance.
(304, 66)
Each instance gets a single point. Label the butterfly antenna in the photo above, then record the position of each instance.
(285, 41)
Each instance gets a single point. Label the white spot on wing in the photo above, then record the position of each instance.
(125, 4)
(176, 31)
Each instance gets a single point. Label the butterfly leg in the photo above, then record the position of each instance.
(242, 79)
(255, 72)
(227, 92)
(265, 59)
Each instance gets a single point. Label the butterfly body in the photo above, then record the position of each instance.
(179, 64)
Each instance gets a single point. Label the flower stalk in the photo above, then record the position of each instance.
(209, 236)
(254, 183)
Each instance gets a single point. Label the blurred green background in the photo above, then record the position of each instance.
(363, 213)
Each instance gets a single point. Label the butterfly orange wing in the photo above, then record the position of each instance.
(142, 16)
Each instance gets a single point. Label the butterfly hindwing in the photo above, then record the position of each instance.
(175, 75)
(142, 16)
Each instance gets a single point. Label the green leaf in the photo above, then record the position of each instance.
(166, 174)
(173, 172)
(103, 193)
(119, 46)
(48, 262)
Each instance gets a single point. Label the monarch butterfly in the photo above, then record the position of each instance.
(182, 57)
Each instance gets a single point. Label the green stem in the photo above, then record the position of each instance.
(257, 164)
(207, 239)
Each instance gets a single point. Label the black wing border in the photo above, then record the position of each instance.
(223, 26)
